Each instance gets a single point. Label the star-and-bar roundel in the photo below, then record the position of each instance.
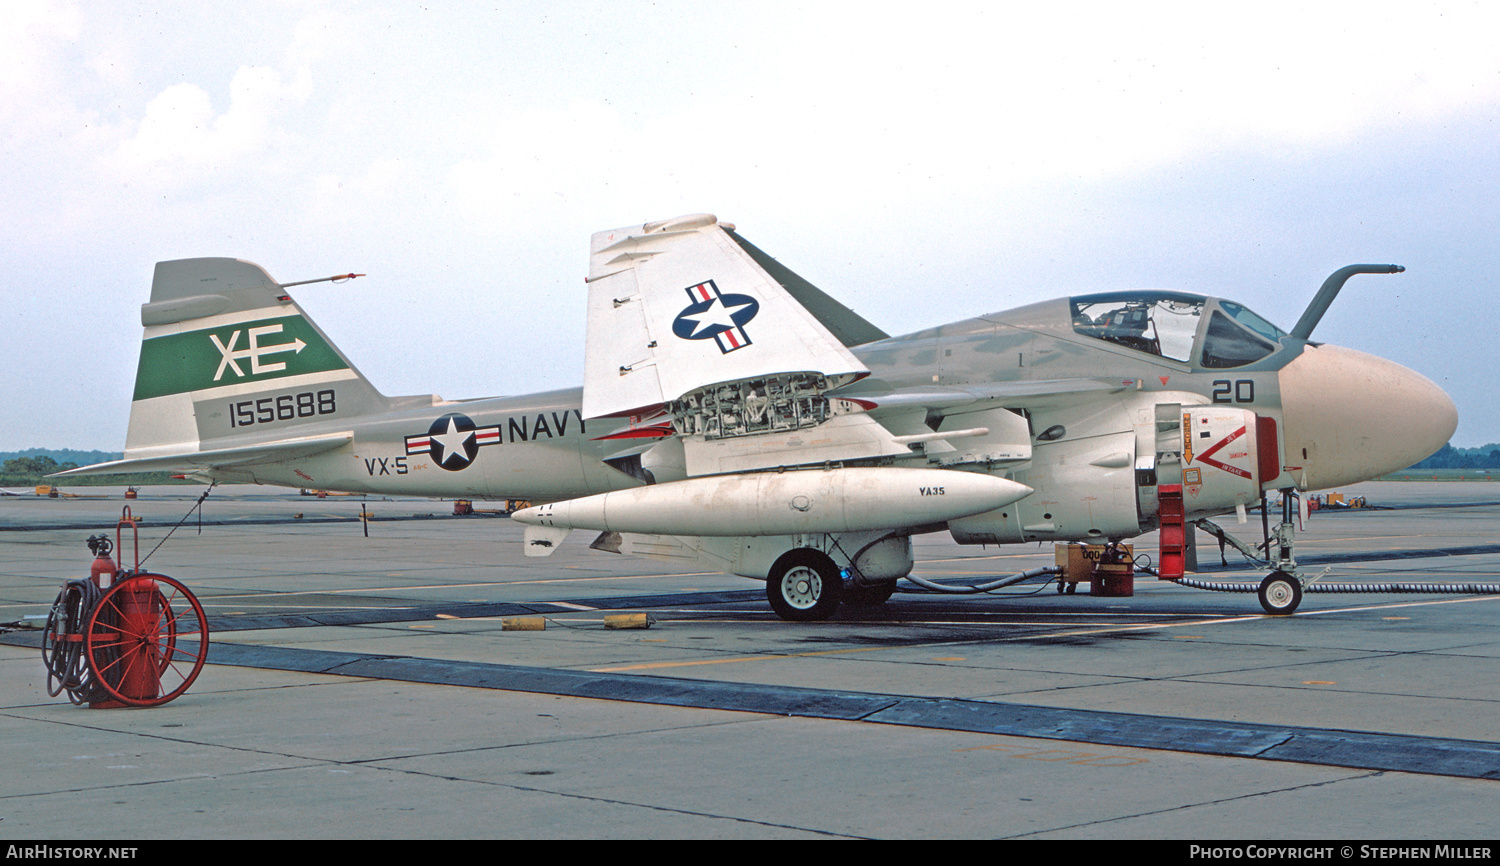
(711, 314)
(453, 441)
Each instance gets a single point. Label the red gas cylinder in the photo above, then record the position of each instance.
(139, 612)
(103, 571)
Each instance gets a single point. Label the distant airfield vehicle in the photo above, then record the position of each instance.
(735, 416)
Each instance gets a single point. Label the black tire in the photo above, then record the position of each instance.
(804, 586)
(868, 596)
(1280, 593)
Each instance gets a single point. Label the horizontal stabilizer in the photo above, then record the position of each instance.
(220, 458)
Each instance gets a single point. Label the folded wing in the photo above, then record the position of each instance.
(677, 305)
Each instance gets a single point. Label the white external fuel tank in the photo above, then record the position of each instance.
(785, 503)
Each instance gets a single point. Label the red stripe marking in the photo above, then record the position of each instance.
(1268, 451)
(654, 432)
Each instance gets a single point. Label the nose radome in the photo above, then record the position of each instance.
(1350, 417)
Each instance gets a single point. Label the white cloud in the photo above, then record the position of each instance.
(891, 138)
(30, 31)
(180, 128)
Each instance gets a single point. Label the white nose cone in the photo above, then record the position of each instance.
(1350, 417)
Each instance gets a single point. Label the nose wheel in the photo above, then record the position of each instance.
(1280, 593)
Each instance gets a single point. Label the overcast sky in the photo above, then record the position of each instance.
(921, 162)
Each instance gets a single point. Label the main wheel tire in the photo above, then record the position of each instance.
(869, 596)
(1280, 593)
(804, 586)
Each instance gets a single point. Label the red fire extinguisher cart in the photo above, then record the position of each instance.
(143, 640)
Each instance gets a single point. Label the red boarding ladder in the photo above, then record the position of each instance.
(1171, 562)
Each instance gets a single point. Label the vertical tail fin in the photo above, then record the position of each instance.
(227, 355)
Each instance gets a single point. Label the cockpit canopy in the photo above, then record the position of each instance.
(1171, 324)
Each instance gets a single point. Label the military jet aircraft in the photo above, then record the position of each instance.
(734, 415)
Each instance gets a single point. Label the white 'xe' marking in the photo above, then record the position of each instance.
(232, 356)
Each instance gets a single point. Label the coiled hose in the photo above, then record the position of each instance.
(985, 587)
(62, 642)
(1431, 588)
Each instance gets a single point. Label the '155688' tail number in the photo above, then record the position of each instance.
(283, 407)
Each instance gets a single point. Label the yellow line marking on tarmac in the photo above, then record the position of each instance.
(1377, 537)
(207, 603)
(1394, 605)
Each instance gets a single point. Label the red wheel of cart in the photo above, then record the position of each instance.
(146, 640)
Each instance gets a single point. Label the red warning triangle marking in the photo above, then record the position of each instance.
(1206, 456)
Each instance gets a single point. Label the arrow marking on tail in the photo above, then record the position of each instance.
(232, 356)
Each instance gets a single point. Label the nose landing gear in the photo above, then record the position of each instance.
(1281, 591)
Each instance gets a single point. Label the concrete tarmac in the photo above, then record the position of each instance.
(361, 685)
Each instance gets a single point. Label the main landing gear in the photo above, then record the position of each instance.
(804, 585)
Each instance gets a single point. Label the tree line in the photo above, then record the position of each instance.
(1448, 457)
(28, 471)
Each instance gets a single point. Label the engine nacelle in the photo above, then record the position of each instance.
(1104, 487)
(1085, 489)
